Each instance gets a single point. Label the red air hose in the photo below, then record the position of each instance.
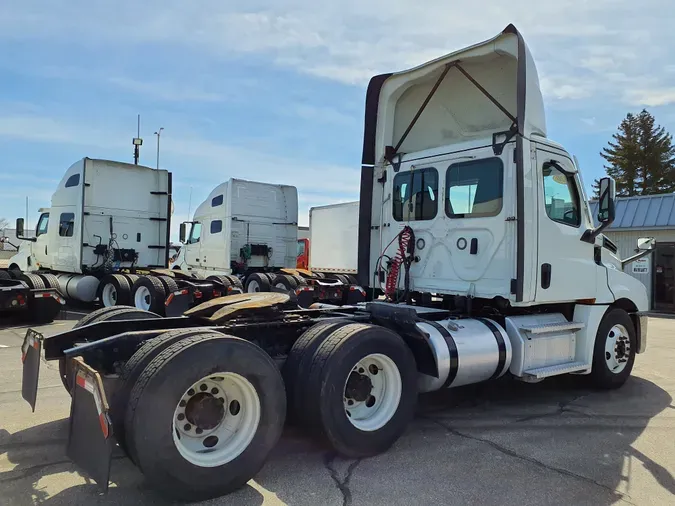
(404, 238)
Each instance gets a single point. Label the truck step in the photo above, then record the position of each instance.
(546, 328)
(555, 370)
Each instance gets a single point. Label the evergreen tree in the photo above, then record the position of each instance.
(641, 157)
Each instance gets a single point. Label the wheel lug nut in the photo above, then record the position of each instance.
(361, 370)
(214, 391)
(350, 402)
(182, 404)
(203, 387)
(198, 430)
(191, 392)
(187, 426)
(180, 417)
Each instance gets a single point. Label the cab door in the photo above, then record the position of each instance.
(566, 268)
(41, 247)
(193, 246)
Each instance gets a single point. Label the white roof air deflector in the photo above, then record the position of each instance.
(486, 91)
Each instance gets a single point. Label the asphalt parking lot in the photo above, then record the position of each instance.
(552, 443)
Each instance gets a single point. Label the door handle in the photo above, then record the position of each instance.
(45, 249)
(545, 275)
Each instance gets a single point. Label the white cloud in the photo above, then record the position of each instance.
(651, 97)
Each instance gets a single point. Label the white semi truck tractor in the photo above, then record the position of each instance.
(474, 229)
(247, 232)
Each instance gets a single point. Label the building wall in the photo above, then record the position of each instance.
(626, 242)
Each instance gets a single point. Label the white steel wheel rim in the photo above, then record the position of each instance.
(617, 349)
(281, 285)
(253, 286)
(109, 295)
(218, 440)
(380, 406)
(143, 298)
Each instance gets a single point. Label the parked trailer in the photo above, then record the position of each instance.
(106, 237)
(446, 207)
(249, 229)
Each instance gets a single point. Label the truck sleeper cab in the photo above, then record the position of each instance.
(470, 224)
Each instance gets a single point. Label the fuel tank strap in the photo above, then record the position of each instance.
(452, 349)
(500, 344)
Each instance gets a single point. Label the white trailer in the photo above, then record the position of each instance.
(333, 238)
(462, 196)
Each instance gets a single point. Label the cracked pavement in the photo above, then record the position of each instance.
(506, 442)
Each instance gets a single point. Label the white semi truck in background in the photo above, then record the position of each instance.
(107, 220)
(462, 197)
(106, 237)
(249, 230)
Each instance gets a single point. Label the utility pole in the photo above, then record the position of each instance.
(158, 133)
(26, 225)
(190, 204)
(137, 142)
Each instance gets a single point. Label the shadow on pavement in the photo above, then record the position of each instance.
(558, 427)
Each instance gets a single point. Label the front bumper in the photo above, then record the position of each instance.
(641, 323)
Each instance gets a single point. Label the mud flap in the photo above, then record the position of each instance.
(90, 442)
(31, 352)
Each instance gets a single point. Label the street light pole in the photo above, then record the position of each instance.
(158, 133)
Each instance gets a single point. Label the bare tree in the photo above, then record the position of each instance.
(4, 223)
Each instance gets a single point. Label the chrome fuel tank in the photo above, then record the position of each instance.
(467, 351)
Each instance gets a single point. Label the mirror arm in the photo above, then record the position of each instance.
(590, 234)
(635, 257)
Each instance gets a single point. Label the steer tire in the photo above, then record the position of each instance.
(285, 282)
(157, 294)
(331, 367)
(5, 275)
(131, 371)
(150, 427)
(601, 375)
(296, 367)
(261, 279)
(122, 290)
(33, 281)
(100, 315)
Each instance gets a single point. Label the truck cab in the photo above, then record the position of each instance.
(456, 149)
(465, 199)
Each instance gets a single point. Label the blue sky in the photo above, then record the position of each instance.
(274, 91)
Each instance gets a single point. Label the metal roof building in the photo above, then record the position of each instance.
(648, 216)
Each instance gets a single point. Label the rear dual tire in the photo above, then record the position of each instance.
(100, 315)
(360, 390)
(164, 417)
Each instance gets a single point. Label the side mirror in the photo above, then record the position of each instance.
(181, 233)
(645, 243)
(19, 228)
(607, 198)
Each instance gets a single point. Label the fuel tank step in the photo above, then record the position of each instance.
(546, 328)
(554, 370)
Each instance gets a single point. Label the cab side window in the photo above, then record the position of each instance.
(43, 225)
(66, 224)
(561, 198)
(73, 180)
(416, 195)
(195, 233)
